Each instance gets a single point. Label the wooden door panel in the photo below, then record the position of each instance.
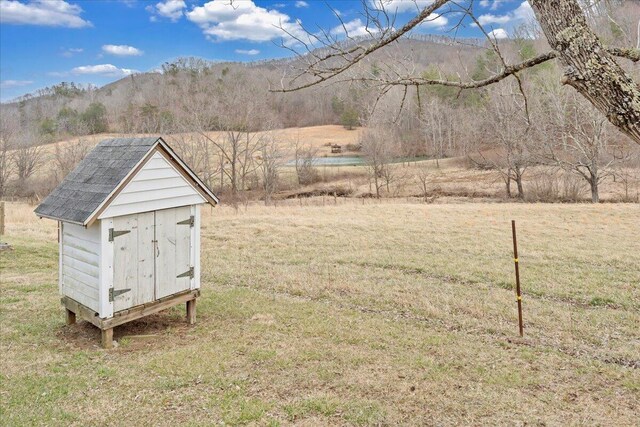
(133, 261)
(165, 236)
(125, 269)
(173, 251)
(146, 262)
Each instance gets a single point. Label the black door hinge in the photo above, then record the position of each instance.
(188, 222)
(188, 273)
(113, 293)
(115, 233)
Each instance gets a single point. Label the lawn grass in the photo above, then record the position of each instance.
(347, 315)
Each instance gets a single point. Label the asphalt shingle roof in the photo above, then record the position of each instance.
(95, 177)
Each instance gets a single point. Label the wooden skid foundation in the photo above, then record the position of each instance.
(75, 309)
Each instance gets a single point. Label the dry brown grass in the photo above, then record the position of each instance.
(451, 180)
(381, 314)
(313, 136)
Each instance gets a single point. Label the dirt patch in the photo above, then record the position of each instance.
(155, 330)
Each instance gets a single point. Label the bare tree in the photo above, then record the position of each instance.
(628, 174)
(67, 155)
(587, 147)
(6, 167)
(269, 163)
(378, 149)
(240, 114)
(27, 157)
(198, 152)
(434, 129)
(510, 134)
(424, 179)
(9, 133)
(305, 162)
(237, 149)
(588, 65)
(252, 144)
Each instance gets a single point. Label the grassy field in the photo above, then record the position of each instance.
(375, 314)
(313, 136)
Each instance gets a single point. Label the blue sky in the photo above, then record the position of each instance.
(44, 42)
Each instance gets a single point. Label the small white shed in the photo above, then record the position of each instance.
(129, 233)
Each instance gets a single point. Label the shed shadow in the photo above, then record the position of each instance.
(166, 328)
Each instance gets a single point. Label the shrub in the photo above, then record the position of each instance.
(552, 187)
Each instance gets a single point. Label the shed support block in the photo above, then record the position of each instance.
(70, 317)
(191, 311)
(107, 338)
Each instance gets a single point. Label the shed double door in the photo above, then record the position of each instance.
(152, 256)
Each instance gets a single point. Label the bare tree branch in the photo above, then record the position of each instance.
(323, 75)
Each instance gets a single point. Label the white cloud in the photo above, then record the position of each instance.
(401, 6)
(51, 13)
(7, 84)
(488, 18)
(68, 53)
(172, 9)
(248, 52)
(301, 3)
(498, 33)
(435, 20)
(243, 21)
(493, 3)
(121, 50)
(103, 69)
(522, 13)
(353, 28)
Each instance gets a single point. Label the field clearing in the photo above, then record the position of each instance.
(312, 136)
(449, 179)
(374, 314)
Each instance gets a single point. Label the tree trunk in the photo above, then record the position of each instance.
(588, 67)
(234, 184)
(221, 173)
(595, 198)
(520, 187)
(593, 183)
(507, 182)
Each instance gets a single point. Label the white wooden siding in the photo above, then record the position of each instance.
(60, 257)
(195, 247)
(158, 185)
(80, 264)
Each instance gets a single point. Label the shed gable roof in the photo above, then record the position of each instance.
(99, 175)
